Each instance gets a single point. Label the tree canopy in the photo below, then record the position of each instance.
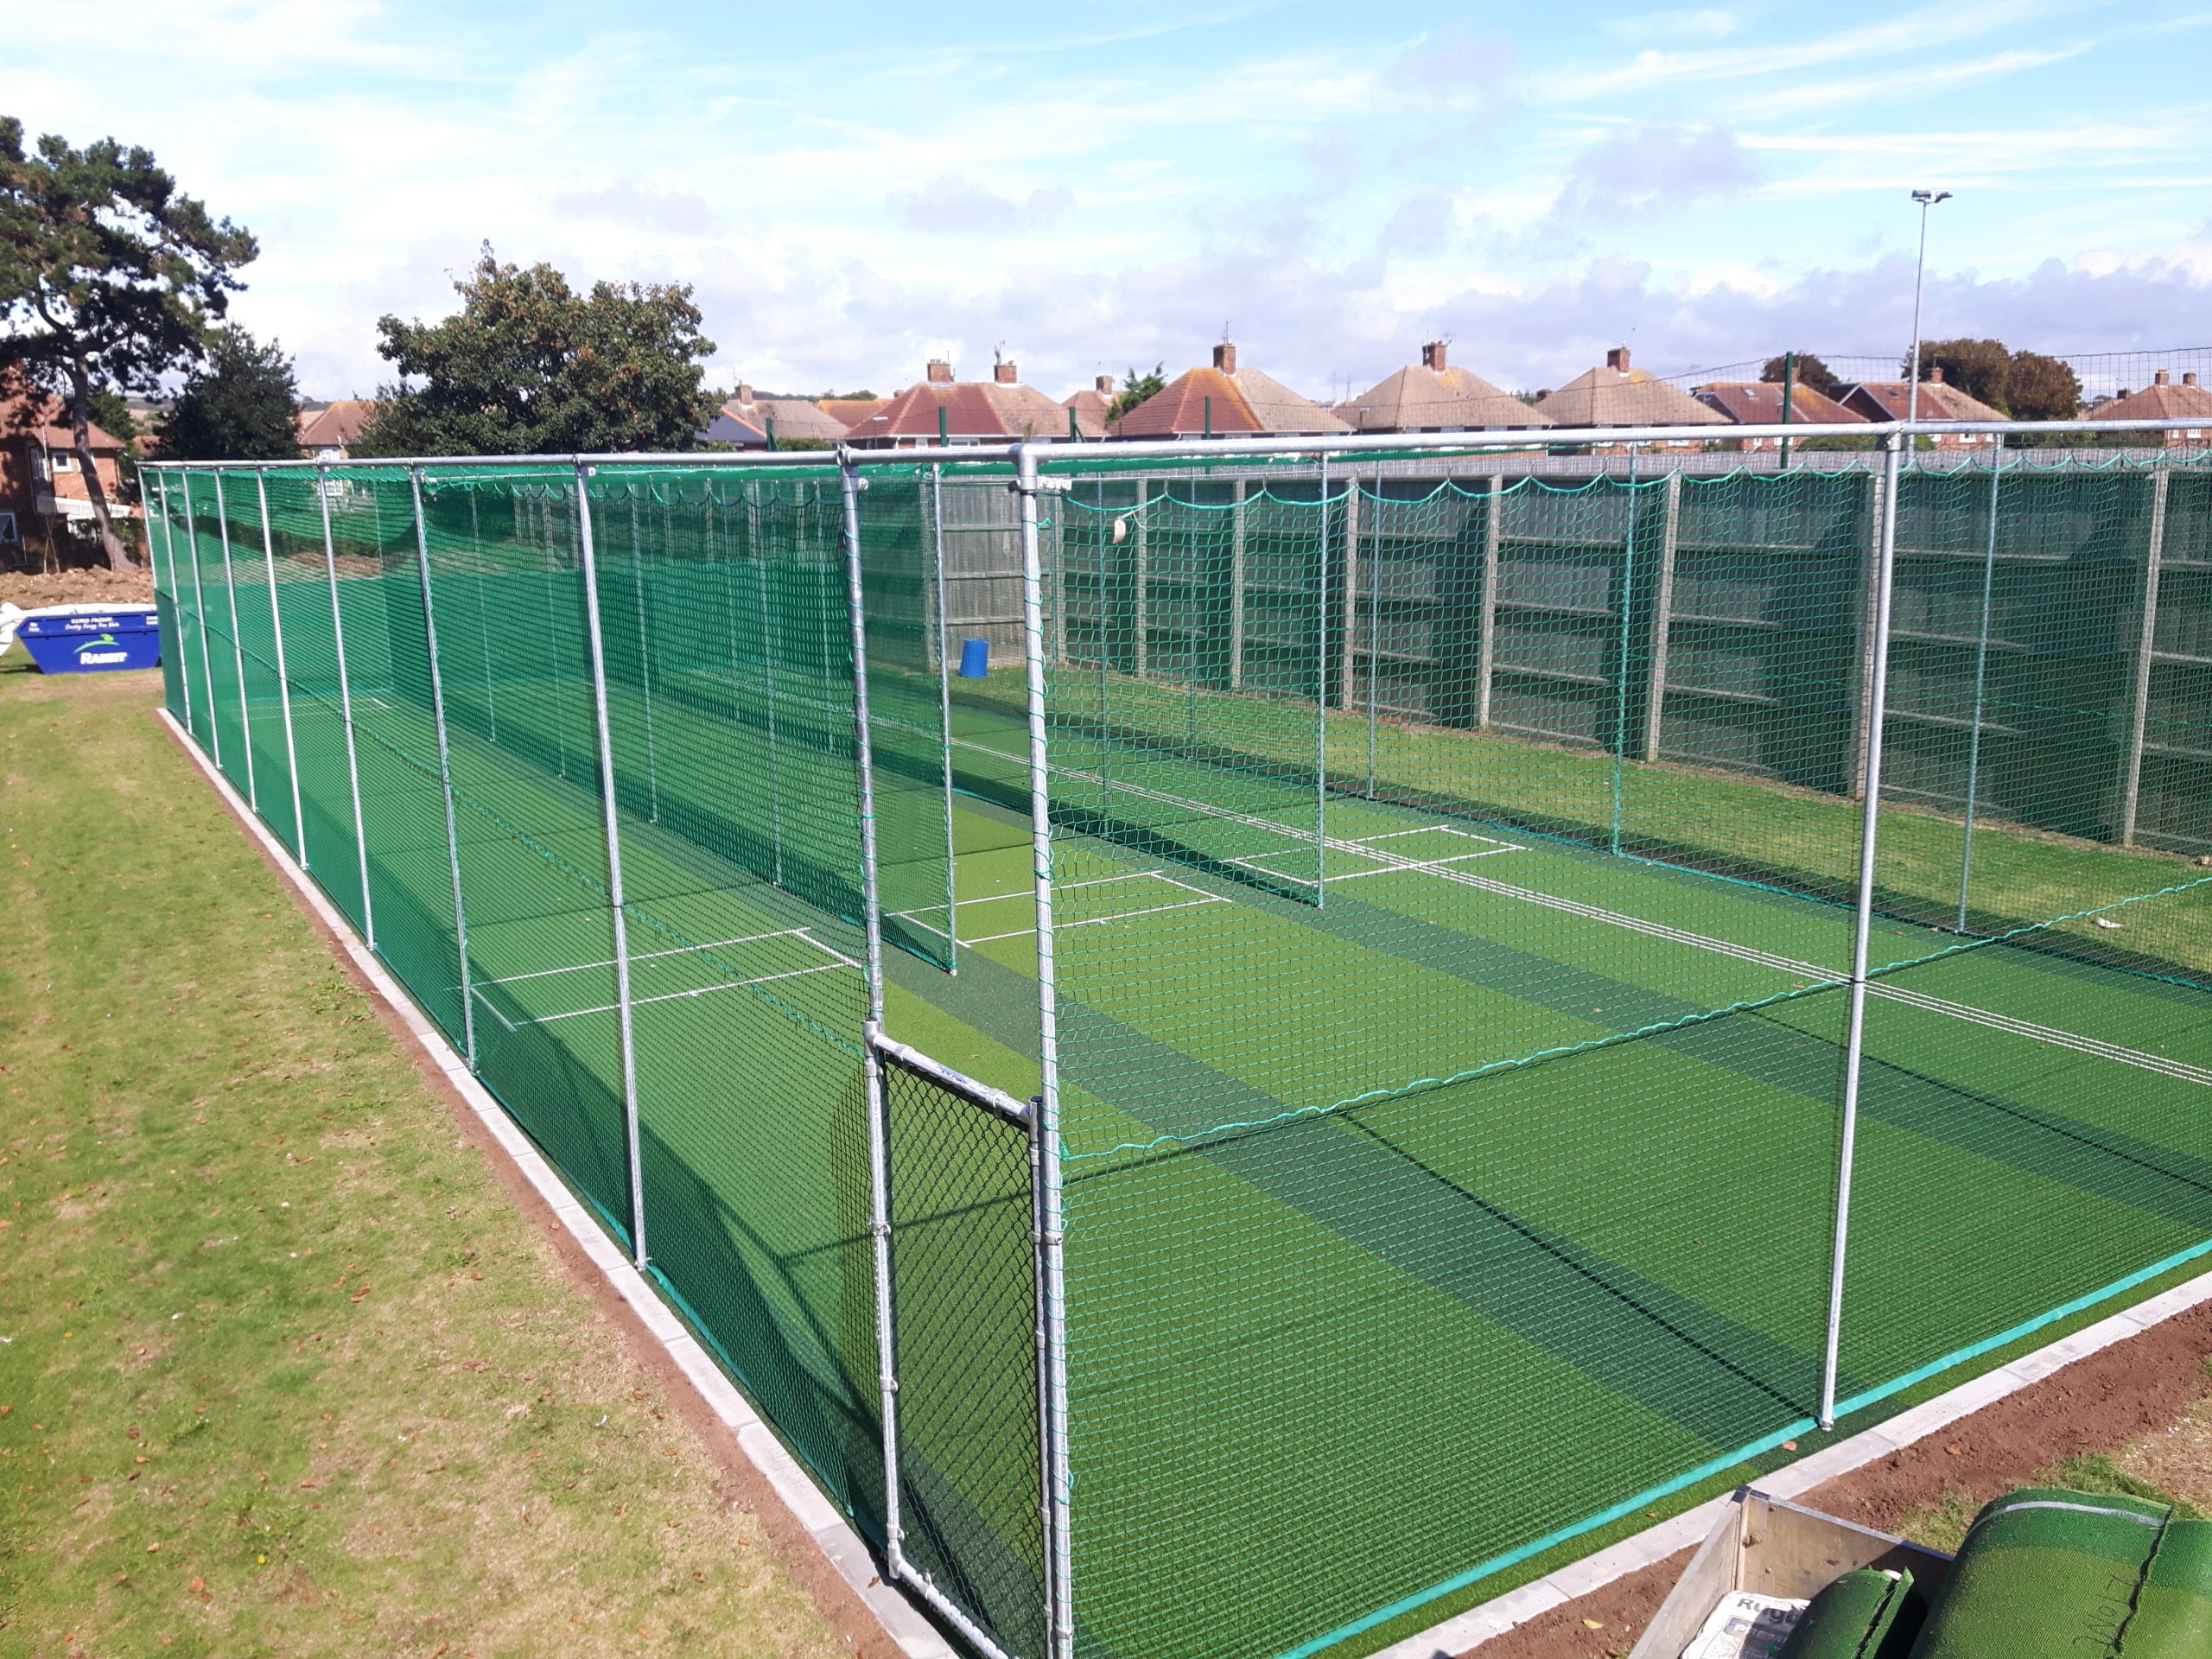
(1137, 389)
(1812, 373)
(2026, 385)
(108, 278)
(530, 367)
(241, 404)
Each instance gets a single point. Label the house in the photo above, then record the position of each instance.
(746, 422)
(1758, 403)
(1090, 406)
(939, 408)
(1225, 401)
(1887, 402)
(327, 433)
(1435, 397)
(1614, 394)
(2162, 400)
(43, 496)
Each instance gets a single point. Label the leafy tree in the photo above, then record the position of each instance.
(108, 278)
(241, 404)
(2039, 388)
(1977, 367)
(1812, 374)
(530, 367)
(1135, 390)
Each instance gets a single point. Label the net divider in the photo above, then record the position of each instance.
(283, 675)
(238, 648)
(611, 814)
(345, 706)
(445, 764)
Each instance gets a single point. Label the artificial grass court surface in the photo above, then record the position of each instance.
(1493, 1307)
(285, 1370)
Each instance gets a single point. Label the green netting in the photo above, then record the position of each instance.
(1455, 867)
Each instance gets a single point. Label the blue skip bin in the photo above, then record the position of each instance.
(88, 639)
(975, 660)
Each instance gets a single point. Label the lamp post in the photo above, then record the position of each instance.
(1927, 199)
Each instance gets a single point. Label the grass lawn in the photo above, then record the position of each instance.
(282, 1368)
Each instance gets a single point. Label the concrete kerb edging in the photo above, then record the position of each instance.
(901, 1620)
(1684, 1531)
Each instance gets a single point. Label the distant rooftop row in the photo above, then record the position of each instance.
(1224, 400)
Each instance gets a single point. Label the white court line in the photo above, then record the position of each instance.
(1093, 921)
(703, 990)
(1025, 896)
(647, 955)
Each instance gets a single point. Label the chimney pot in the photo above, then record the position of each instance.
(1617, 359)
(744, 391)
(2189, 378)
(1431, 356)
(1935, 375)
(2163, 379)
(1224, 357)
(1004, 373)
(939, 373)
(1105, 384)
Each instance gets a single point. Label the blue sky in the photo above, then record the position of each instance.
(852, 188)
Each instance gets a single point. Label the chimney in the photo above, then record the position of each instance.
(1224, 358)
(1935, 375)
(939, 373)
(1617, 359)
(2189, 378)
(1431, 356)
(2163, 379)
(1004, 373)
(744, 391)
(1105, 385)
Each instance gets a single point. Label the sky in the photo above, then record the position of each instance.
(851, 189)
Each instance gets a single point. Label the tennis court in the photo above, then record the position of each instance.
(1448, 1116)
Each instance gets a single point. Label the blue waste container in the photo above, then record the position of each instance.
(81, 640)
(975, 660)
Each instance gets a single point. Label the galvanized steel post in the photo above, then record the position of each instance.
(944, 720)
(1980, 682)
(176, 604)
(445, 764)
(238, 644)
(345, 706)
(610, 819)
(283, 675)
(1870, 817)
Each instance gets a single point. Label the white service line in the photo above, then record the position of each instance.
(701, 990)
(647, 955)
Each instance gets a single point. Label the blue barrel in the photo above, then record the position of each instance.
(975, 658)
(79, 639)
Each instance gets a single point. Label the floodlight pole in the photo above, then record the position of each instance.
(1927, 199)
(587, 567)
(346, 707)
(283, 676)
(1870, 816)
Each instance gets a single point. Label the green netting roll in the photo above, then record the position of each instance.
(2046, 1573)
(1854, 1617)
(2173, 1610)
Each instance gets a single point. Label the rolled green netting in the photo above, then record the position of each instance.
(2048, 1573)
(1857, 1616)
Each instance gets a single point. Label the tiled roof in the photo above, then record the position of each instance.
(795, 418)
(1890, 400)
(1245, 402)
(1758, 403)
(848, 411)
(1090, 406)
(40, 417)
(974, 410)
(335, 425)
(2160, 401)
(1416, 400)
(1607, 397)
